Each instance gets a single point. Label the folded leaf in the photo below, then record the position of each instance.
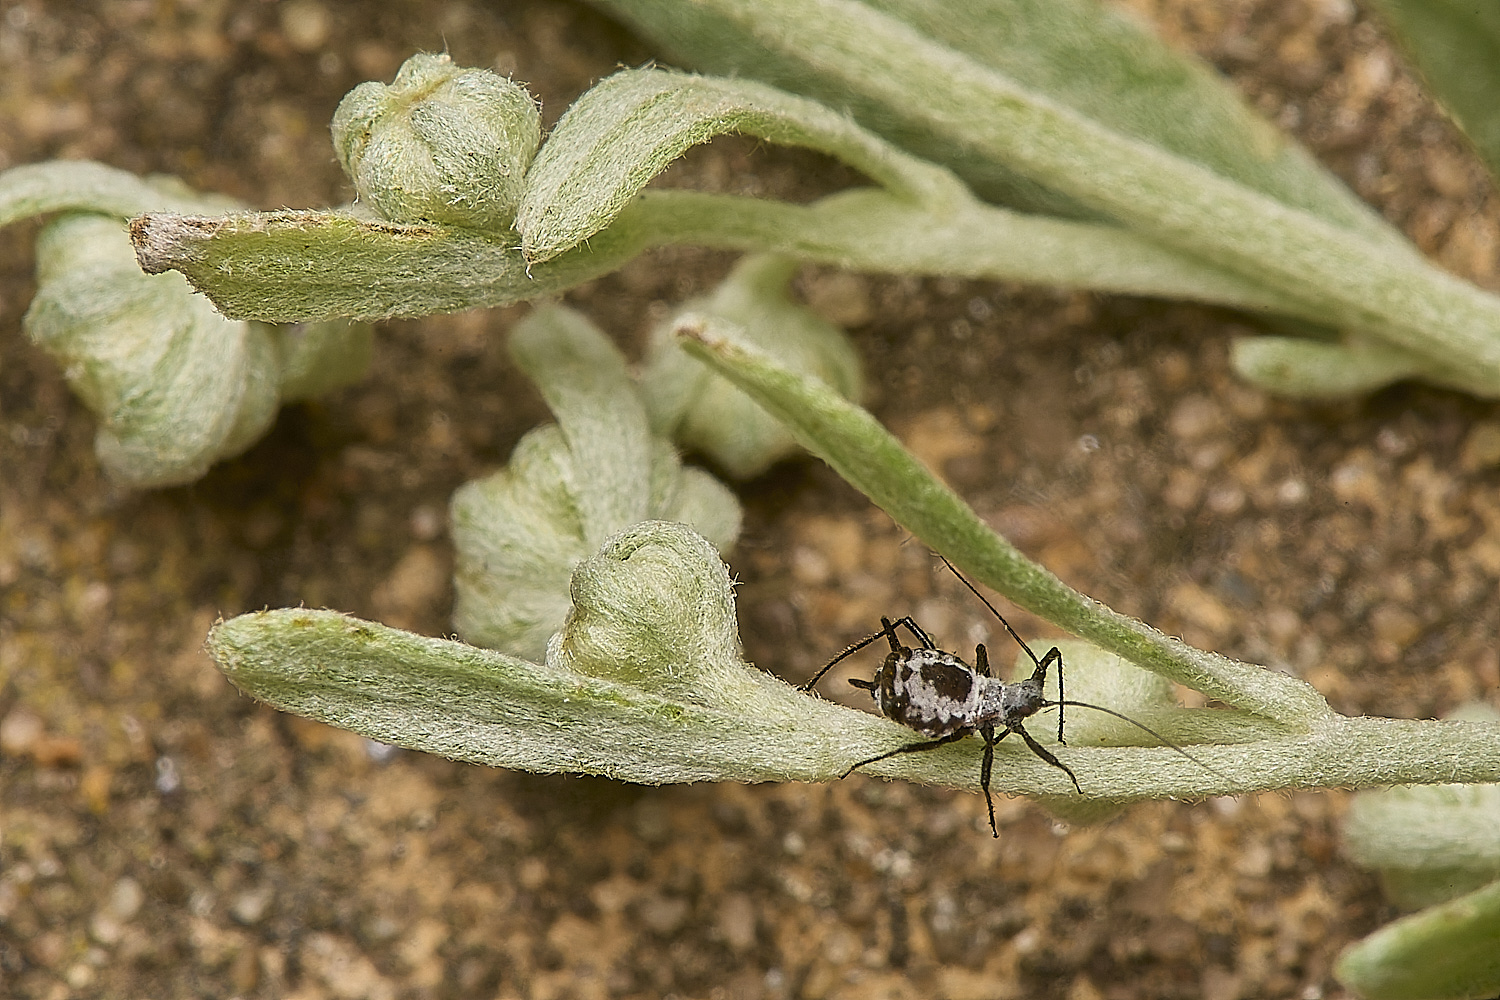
(631, 126)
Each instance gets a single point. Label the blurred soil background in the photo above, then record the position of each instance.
(163, 836)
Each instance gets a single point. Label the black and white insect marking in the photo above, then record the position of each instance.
(937, 694)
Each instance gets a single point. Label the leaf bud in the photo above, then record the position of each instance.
(441, 143)
(175, 385)
(521, 532)
(704, 411)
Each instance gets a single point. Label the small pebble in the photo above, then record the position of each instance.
(663, 914)
(426, 522)
(736, 921)
(306, 24)
(250, 907)
(417, 581)
(1481, 449)
(20, 731)
(126, 898)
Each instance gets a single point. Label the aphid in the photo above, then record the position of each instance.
(937, 694)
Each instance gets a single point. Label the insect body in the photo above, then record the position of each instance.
(940, 696)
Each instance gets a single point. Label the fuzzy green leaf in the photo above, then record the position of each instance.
(1354, 273)
(1448, 952)
(631, 126)
(1456, 47)
(293, 266)
(1077, 53)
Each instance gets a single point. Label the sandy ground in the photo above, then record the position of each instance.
(163, 836)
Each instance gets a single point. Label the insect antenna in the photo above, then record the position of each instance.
(1013, 634)
(1019, 641)
(1144, 728)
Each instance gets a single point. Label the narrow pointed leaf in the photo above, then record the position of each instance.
(850, 440)
(1077, 53)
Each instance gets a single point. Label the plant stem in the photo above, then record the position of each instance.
(476, 705)
(84, 186)
(294, 266)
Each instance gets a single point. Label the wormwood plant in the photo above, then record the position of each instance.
(590, 586)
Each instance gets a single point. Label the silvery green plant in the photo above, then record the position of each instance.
(582, 210)
(644, 681)
(1156, 181)
(175, 385)
(1144, 174)
(713, 418)
(522, 531)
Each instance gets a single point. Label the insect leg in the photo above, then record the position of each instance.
(888, 632)
(1041, 670)
(915, 630)
(909, 748)
(1046, 755)
(988, 732)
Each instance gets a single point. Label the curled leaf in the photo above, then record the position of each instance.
(521, 532)
(703, 410)
(176, 386)
(723, 720)
(440, 144)
(629, 127)
(654, 608)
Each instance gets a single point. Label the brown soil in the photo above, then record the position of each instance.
(164, 836)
